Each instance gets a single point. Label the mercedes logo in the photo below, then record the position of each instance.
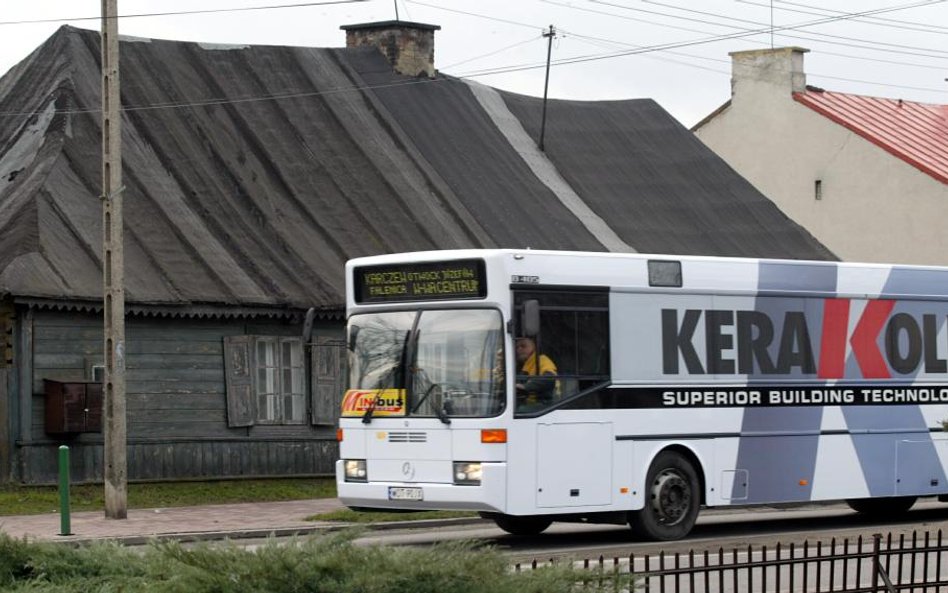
(408, 470)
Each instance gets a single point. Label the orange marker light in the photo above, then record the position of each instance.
(339, 434)
(623, 490)
(804, 482)
(494, 435)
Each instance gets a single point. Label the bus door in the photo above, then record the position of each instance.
(565, 367)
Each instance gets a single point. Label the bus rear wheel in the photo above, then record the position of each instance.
(519, 525)
(672, 499)
(891, 505)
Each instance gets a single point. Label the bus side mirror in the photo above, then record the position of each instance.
(530, 321)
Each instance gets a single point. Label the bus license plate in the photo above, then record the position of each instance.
(399, 493)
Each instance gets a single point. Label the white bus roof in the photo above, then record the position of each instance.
(699, 273)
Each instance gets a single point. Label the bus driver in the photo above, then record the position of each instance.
(538, 370)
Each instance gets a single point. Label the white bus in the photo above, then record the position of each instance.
(679, 382)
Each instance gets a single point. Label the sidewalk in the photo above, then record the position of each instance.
(184, 523)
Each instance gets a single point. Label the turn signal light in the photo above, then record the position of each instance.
(494, 435)
(339, 435)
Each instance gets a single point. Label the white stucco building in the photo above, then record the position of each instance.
(867, 176)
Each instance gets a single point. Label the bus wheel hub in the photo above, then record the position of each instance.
(671, 497)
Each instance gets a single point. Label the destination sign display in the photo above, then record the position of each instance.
(424, 281)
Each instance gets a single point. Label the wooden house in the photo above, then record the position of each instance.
(252, 174)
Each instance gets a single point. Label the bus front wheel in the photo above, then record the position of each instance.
(672, 499)
(519, 525)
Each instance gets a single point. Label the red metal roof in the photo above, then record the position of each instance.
(917, 133)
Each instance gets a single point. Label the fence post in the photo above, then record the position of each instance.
(64, 519)
(875, 561)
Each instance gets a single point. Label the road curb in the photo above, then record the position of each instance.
(324, 527)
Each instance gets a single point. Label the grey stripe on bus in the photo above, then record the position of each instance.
(782, 468)
(877, 454)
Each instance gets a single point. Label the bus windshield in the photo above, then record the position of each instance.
(450, 362)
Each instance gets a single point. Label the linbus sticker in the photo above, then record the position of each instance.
(382, 402)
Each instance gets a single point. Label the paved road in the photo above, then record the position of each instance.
(715, 529)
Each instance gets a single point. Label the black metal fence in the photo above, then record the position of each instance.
(902, 563)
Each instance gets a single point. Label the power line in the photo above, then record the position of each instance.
(182, 12)
(474, 14)
(879, 21)
(493, 53)
(826, 12)
(610, 44)
(792, 27)
(725, 36)
(640, 50)
(751, 32)
(615, 42)
(596, 42)
(883, 84)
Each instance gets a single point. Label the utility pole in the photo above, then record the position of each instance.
(546, 83)
(113, 274)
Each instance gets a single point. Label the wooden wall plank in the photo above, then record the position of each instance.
(150, 402)
(6, 438)
(25, 375)
(160, 388)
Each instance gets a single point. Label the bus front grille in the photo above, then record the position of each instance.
(407, 436)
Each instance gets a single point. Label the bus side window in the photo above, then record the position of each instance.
(574, 334)
(579, 343)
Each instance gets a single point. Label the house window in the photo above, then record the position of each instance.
(265, 379)
(279, 387)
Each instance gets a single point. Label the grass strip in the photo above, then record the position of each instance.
(31, 500)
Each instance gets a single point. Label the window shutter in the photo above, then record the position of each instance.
(329, 378)
(238, 380)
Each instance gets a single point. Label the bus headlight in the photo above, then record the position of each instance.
(467, 473)
(355, 470)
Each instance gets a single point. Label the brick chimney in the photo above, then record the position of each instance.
(408, 46)
(778, 70)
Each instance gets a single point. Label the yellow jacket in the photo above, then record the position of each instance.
(547, 367)
(539, 388)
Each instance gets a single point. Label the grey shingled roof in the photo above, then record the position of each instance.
(284, 162)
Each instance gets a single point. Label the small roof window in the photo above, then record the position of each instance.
(664, 273)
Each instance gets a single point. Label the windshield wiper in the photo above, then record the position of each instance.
(421, 400)
(442, 413)
(440, 410)
(367, 417)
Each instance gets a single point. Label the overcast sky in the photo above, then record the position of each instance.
(673, 51)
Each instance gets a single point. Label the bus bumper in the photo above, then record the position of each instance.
(490, 495)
